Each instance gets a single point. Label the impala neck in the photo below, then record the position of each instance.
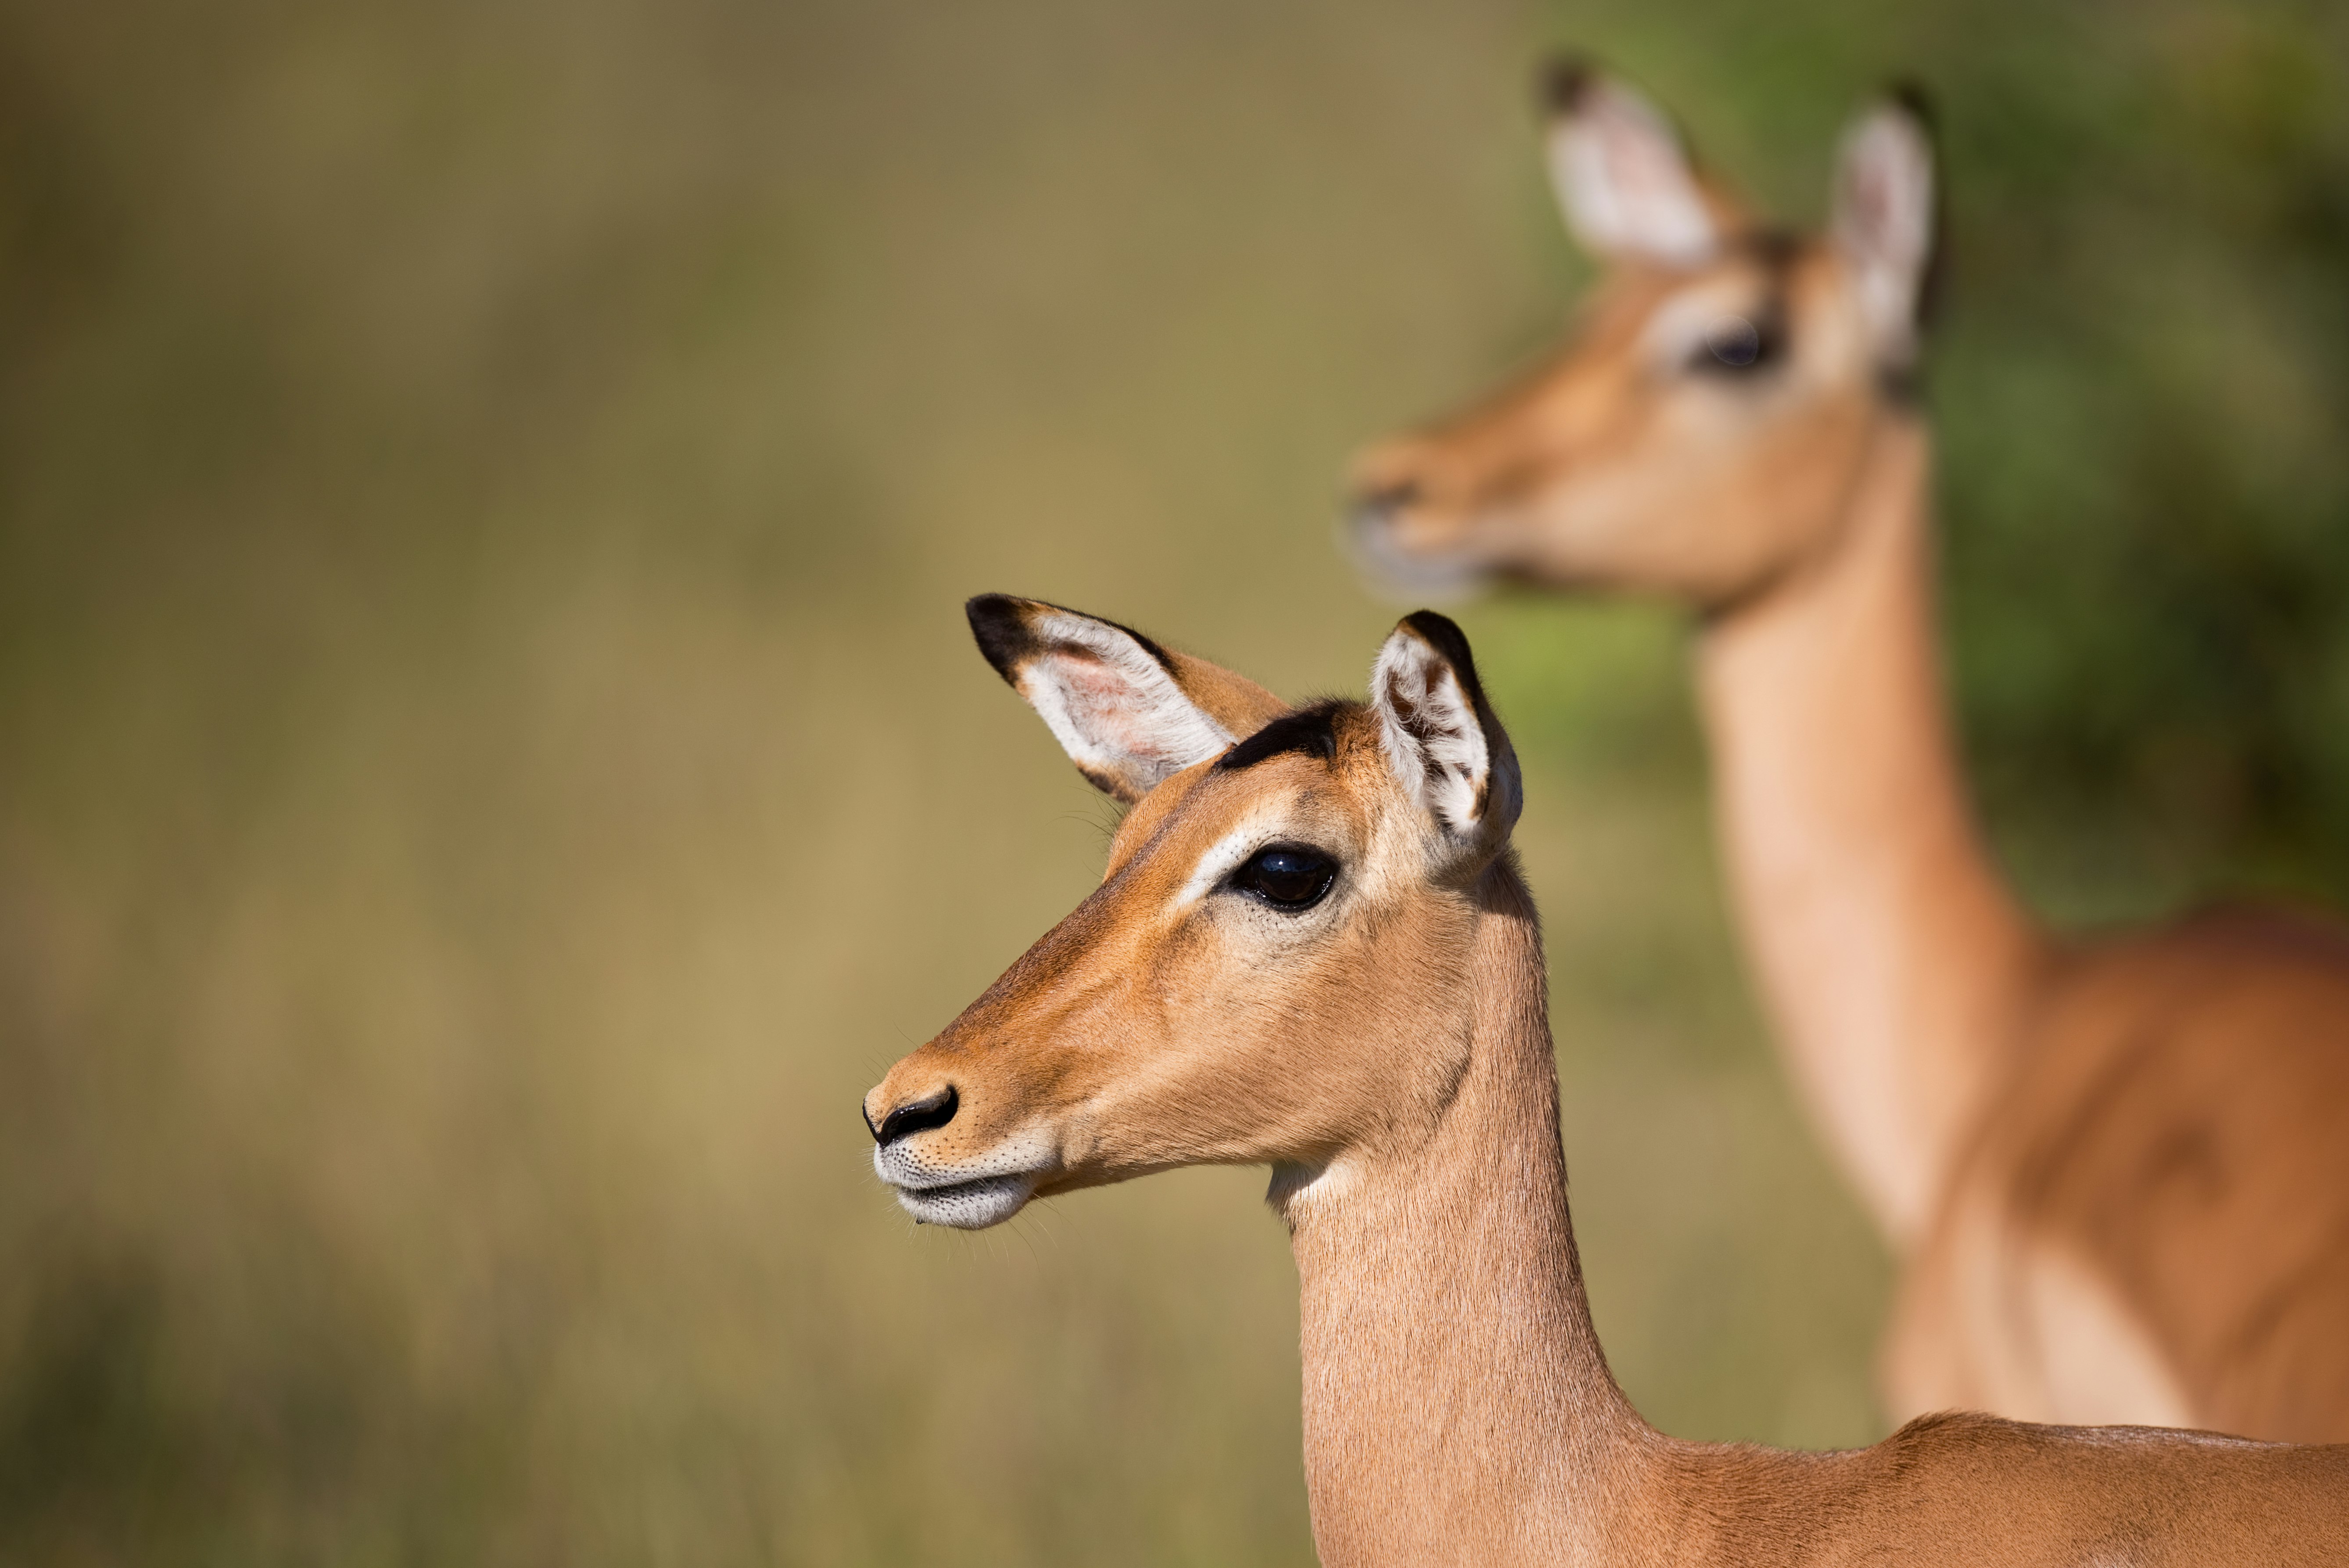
(1457, 1408)
(1892, 957)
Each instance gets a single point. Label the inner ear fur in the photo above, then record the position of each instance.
(1887, 218)
(1128, 710)
(1625, 177)
(1443, 742)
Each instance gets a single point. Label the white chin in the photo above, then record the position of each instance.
(1404, 577)
(969, 1205)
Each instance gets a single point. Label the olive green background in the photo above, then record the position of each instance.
(491, 766)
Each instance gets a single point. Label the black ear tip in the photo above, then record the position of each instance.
(1566, 80)
(1914, 98)
(1441, 633)
(1436, 627)
(992, 615)
(999, 627)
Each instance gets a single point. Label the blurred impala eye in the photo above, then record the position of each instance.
(1286, 876)
(1734, 343)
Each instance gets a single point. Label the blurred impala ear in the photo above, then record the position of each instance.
(1442, 742)
(1129, 712)
(1885, 219)
(1621, 174)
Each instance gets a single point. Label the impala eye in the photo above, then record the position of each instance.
(1734, 344)
(1286, 876)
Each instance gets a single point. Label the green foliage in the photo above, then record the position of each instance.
(2150, 507)
(2140, 379)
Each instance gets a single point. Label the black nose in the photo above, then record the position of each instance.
(916, 1115)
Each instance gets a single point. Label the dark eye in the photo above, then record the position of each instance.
(1734, 345)
(1286, 876)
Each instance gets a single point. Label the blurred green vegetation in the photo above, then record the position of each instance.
(491, 766)
(2141, 381)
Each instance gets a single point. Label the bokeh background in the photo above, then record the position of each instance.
(491, 766)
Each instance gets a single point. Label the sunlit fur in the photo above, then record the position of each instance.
(1388, 1054)
(2117, 1172)
(1141, 1021)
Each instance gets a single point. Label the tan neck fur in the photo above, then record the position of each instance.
(1457, 1406)
(1458, 1410)
(1889, 950)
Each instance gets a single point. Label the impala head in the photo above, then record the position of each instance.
(1697, 434)
(1261, 977)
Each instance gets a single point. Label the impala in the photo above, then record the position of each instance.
(2117, 1172)
(1312, 950)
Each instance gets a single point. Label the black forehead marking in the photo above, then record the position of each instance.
(1773, 252)
(1313, 731)
(1775, 248)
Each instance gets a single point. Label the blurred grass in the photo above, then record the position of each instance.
(491, 766)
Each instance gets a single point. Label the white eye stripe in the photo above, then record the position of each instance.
(1229, 854)
(1677, 330)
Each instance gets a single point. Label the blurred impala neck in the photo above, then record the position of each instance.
(1457, 1408)
(1892, 957)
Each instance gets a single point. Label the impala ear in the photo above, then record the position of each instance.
(1128, 713)
(1442, 742)
(1885, 219)
(1621, 174)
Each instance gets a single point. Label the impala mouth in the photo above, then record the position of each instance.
(971, 1205)
(982, 1192)
(1372, 539)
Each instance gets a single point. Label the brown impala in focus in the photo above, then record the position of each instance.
(1311, 948)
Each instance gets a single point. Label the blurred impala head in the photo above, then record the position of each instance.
(1259, 978)
(1696, 434)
